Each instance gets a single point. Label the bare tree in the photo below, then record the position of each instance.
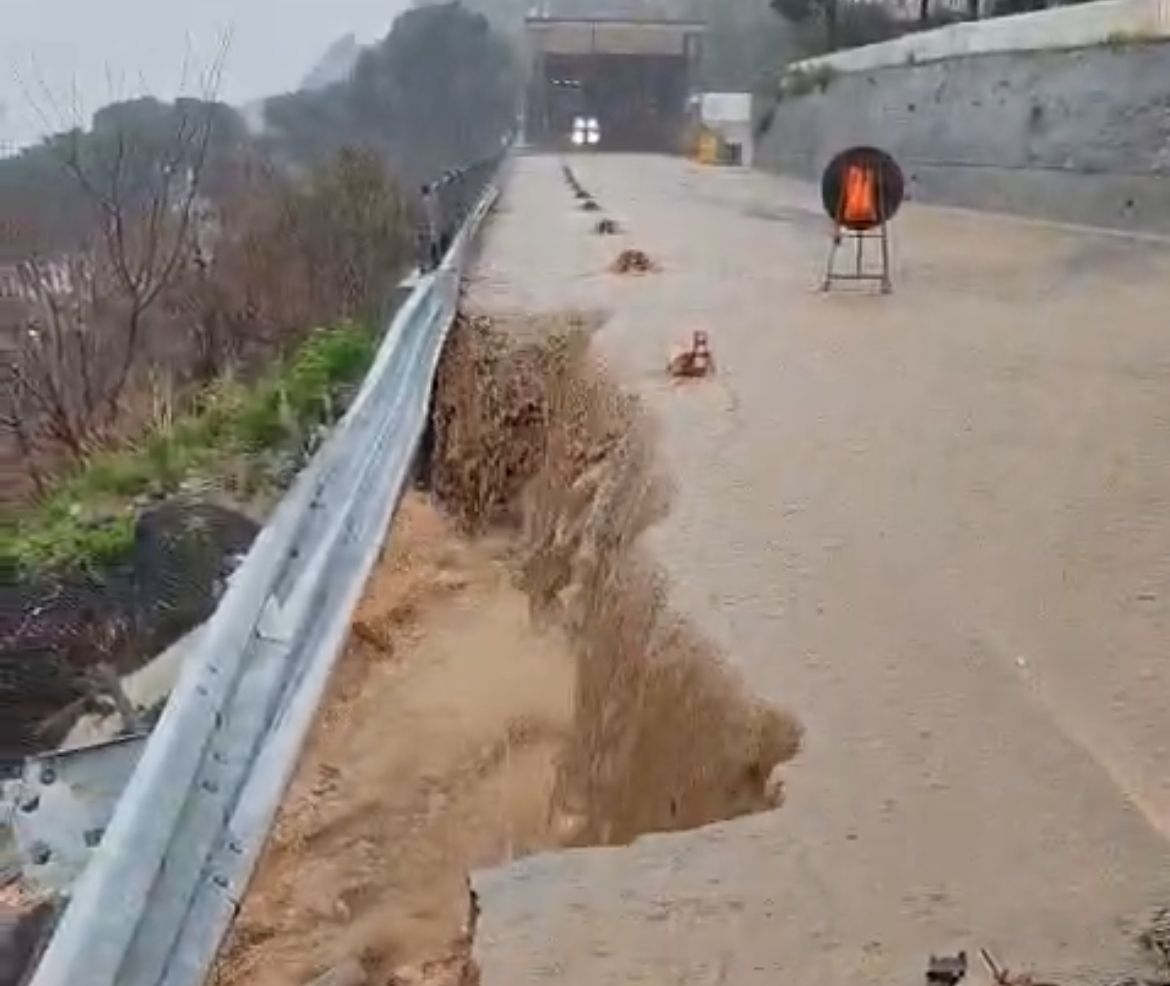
(146, 200)
(78, 333)
(53, 367)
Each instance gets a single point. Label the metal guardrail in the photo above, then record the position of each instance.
(447, 202)
(168, 877)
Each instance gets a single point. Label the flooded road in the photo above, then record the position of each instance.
(934, 526)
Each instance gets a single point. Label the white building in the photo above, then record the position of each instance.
(729, 114)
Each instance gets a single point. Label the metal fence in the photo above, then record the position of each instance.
(166, 881)
(447, 202)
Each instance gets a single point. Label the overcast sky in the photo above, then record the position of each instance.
(115, 49)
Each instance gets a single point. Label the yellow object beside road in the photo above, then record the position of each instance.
(708, 148)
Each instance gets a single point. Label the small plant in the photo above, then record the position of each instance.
(259, 421)
(330, 358)
(60, 535)
(110, 474)
(88, 519)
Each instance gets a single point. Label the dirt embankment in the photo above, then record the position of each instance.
(435, 753)
(514, 682)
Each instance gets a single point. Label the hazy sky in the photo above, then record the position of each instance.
(115, 49)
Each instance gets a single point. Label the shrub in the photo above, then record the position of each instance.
(88, 520)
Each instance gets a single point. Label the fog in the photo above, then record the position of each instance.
(60, 59)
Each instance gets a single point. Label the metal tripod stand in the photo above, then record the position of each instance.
(878, 231)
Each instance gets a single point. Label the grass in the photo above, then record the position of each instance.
(88, 518)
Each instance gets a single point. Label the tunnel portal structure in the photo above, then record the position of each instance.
(618, 80)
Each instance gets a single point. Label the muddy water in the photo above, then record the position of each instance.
(514, 681)
(663, 737)
(436, 751)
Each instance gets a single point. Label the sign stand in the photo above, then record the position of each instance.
(860, 273)
(861, 189)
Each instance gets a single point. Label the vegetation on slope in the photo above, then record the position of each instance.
(240, 438)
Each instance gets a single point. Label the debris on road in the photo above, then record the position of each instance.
(590, 205)
(1155, 939)
(694, 360)
(437, 749)
(946, 970)
(1004, 976)
(453, 970)
(348, 973)
(606, 227)
(633, 262)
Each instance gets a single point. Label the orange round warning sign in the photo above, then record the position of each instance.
(861, 188)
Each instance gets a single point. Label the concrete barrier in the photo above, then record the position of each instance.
(1061, 27)
(1076, 135)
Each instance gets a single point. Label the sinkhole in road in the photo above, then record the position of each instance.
(515, 679)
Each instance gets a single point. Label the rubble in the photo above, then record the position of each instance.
(26, 921)
(694, 360)
(946, 970)
(633, 262)
(1155, 939)
(1003, 976)
(348, 973)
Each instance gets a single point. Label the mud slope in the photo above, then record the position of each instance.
(514, 682)
(528, 431)
(436, 751)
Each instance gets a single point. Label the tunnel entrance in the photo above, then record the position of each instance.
(619, 82)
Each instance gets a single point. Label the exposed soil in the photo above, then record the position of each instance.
(504, 692)
(435, 753)
(664, 736)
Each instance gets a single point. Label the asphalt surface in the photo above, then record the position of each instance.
(933, 526)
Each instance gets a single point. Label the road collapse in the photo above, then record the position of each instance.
(515, 681)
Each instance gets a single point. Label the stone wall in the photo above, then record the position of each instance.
(1077, 135)
(1077, 26)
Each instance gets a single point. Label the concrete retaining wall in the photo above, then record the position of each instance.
(1061, 27)
(1076, 135)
